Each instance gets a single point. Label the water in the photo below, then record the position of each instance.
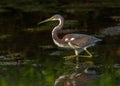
(28, 56)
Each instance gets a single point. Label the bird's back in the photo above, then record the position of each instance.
(79, 40)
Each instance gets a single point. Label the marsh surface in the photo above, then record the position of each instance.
(28, 56)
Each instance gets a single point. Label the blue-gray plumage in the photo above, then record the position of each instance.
(78, 42)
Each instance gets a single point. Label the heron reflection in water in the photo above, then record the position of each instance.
(77, 42)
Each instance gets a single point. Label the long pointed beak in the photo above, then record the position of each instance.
(50, 19)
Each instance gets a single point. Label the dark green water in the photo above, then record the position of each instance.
(28, 56)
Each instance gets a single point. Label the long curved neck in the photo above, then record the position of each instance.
(55, 37)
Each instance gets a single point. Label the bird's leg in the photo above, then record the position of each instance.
(76, 56)
(77, 59)
(72, 56)
(86, 56)
(76, 52)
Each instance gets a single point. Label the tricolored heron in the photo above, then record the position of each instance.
(77, 42)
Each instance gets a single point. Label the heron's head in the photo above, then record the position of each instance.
(53, 18)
